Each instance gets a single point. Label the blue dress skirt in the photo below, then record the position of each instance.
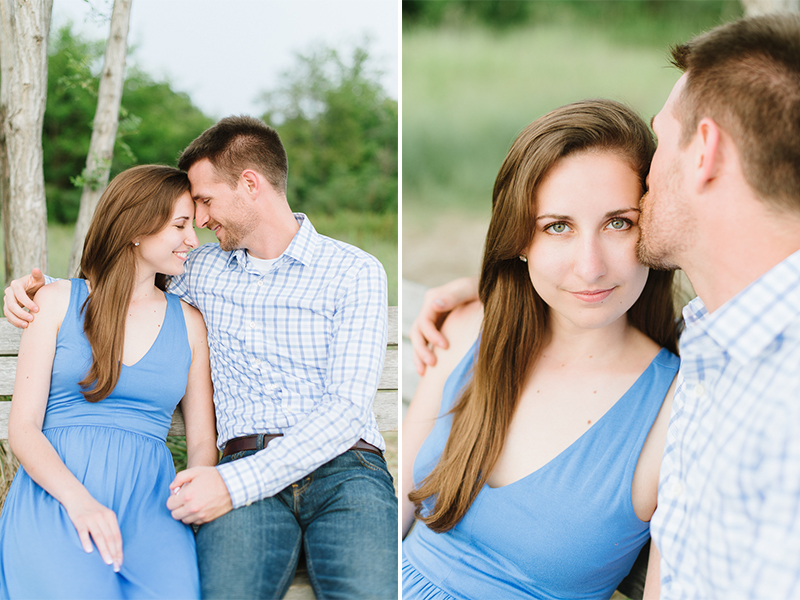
(116, 449)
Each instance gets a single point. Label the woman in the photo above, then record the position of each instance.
(100, 372)
(536, 448)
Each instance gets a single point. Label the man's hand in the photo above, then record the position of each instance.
(437, 303)
(199, 495)
(19, 296)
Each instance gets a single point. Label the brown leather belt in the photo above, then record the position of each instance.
(259, 441)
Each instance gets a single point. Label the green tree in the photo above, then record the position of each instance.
(160, 124)
(71, 102)
(340, 132)
(156, 122)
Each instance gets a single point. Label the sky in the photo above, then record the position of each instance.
(225, 53)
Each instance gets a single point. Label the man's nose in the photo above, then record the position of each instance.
(200, 215)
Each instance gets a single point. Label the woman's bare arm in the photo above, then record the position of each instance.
(92, 520)
(198, 402)
(462, 327)
(652, 582)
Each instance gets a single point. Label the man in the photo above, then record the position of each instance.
(724, 205)
(297, 332)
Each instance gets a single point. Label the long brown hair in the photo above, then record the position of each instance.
(137, 202)
(515, 317)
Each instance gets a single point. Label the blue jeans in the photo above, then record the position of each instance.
(343, 516)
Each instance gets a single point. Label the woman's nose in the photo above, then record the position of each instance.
(590, 263)
(191, 237)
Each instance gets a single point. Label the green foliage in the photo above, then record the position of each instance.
(650, 22)
(148, 132)
(177, 446)
(498, 13)
(71, 104)
(340, 133)
(166, 123)
(94, 179)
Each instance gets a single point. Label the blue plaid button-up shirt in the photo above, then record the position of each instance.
(297, 351)
(728, 516)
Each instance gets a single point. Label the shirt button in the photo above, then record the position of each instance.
(275, 388)
(260, 283)
(699, 390)
(676, 489)
(252, 324)
(256, 362)
(248, 503)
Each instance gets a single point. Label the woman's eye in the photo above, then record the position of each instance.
(557, 228)
(619, 224)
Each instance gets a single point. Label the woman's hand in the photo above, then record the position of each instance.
(93, 521)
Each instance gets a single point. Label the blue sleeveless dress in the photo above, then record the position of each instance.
(567, 530)
(116, 448)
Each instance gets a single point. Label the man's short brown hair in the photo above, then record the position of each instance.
(746, 76)
(236, 144)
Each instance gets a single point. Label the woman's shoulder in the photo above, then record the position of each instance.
(54, 294)
(462, 326)
(53, 302)
(195, 325)
(191, 314)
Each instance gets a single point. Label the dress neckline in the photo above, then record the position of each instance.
(585, 435)
(158, 336)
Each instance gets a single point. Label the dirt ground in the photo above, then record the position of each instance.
(441, 247)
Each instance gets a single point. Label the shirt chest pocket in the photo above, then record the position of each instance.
(296, 341)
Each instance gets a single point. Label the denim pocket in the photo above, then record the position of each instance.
(366, 459)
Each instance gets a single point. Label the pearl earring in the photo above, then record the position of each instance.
(523, 258)
(135, 243)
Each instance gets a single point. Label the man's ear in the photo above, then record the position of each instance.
(708, 159)
(251, 182)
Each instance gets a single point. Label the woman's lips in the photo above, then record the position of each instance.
(592, 296)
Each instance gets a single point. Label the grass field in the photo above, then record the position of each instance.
(468, 92)
(374, 233)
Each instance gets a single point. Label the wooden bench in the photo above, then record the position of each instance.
(413, 295)
(385, 407)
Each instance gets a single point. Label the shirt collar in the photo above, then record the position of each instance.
(750, 321)
(304, 242)
(301, 248)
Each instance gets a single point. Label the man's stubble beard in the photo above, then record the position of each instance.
(647, 250)
(236, 232)
(666, 223)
